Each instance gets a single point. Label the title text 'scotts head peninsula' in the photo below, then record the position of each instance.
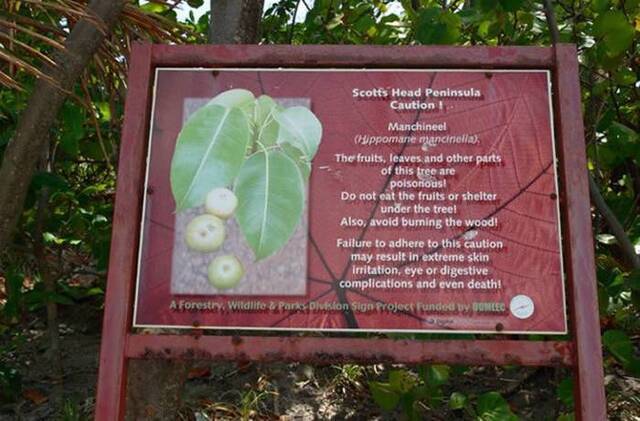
(417, 98)
(416, 93)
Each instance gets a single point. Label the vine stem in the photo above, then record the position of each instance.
(614, 224)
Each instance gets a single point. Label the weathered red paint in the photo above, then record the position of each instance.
(370, 56)
(583, 352)
(329, 350)
(122, 267)
(583, 295)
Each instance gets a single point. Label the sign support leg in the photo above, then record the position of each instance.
(590, 402)
(112, 376)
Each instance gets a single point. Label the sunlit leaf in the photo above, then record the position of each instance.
(457, 400)
(402, 381)
(384, 395)
(493, 407)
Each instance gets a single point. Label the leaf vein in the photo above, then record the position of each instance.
(202, 161)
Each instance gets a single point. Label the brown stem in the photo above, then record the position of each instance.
(616, 227)
(293, 22)
(551, 22)
(49, 280)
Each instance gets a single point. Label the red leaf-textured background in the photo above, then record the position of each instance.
(512, 119)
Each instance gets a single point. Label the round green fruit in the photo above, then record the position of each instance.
(221, 202)
(225, 272)
(205, 233)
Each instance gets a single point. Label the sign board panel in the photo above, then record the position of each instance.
(335, 103)
(380, 200)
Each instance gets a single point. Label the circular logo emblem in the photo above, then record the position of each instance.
(521, 306)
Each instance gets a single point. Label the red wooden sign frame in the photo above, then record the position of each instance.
(582, 351)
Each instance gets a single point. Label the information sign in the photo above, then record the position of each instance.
(351, 199)
(268, 190)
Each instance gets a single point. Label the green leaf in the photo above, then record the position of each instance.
(618, 343)
(409, 407)
(152, 7)
(61, 299)
(435, 26)
(54, 182)
(299, 158)
(384, 396)
(239, 98)
(209, 153)
(401, 381)
(625, 76)
(270, 193)
(13, 285)
(50, 238)
(457, 400)
(70, 144)
(615, 31)
(599, 6)
(487, 5)
(104, 110)
(72, 130)
(605, 121)
(607, 60)
(10, 383)
(511, 5)
(493, 407)
(266, 126)
(300, 128)
(437, 374)
(635, 298)
(634, 280)
(606, 239)
(634, 367)
(565, 392)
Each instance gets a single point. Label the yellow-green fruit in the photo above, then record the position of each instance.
(205, 233)
(221, 202)
(225, 271)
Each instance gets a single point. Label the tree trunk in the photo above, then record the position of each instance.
(37, 120)
(235, 22)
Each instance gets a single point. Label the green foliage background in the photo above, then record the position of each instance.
(78, 174)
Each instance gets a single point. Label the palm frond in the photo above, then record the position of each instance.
(32, 30)
(31, 33)
(30, 50)
(27, 67)
(8, 81)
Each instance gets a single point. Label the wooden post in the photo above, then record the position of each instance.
(590, 400)
(112, 377)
